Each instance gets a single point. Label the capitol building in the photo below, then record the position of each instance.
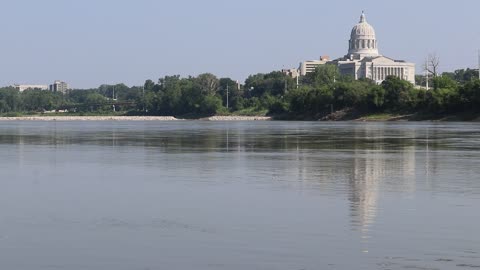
(364, 60)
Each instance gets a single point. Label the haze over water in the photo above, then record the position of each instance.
(239, 195)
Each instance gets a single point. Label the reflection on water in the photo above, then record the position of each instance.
(266, 195)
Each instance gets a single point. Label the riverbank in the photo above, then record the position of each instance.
(238, 118)
(355, 115)
(90, 118)
(131, 118)
(459, 117)
(344, 115)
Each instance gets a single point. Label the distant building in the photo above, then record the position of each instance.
(310, 66)
(23, 87)
(364, 61)
(293, 72)
(59, 86)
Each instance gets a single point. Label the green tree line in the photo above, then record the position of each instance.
(318, 94)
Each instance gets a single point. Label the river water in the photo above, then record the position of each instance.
(239, 195)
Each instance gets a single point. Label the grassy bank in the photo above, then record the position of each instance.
(419, 116)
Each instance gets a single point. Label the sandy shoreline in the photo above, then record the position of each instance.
(237, 118)
(90, 118)
(130, 118)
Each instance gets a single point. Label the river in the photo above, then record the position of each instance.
(239, 195)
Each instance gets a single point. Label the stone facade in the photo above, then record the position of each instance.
(364, 60)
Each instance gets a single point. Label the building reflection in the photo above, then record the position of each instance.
(381, 165)
(368, 171)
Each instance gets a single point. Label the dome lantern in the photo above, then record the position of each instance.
(363, 19)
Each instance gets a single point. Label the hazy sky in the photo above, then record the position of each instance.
(90, 42)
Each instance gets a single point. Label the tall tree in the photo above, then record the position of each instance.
(208, 83)
(323, 75)
(432, 64)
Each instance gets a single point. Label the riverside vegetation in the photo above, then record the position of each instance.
(323, 94)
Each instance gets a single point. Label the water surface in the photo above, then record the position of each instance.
(239, 195)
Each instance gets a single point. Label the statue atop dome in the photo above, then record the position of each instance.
(363, 18)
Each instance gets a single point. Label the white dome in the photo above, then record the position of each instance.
(363, 41)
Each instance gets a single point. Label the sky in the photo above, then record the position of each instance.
(92, 42)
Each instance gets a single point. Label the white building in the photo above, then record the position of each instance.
(59, 86)
(364, 60)
(23, 87)
(310, 66)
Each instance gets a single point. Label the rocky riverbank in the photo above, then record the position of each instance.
(237, 118)
(90, 118)
(131, 118)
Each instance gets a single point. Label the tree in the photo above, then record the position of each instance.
(310, 100)
(208, 83)
(432, 64)
(95, 99)
(351, 94)
(11, 99)
(233, 91)
(444, 82)
(149, 85)
(274, 83)
(376, 97)
(210, 105)
(4, 106)
(470, 95)
(399, 94)
(323, 75)
(462, 75)
(40, 100)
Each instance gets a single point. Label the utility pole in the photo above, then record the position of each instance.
(113, 98)
(298, 77)
(227, 96)
(479, 64)
(144, 101)
(426, 73)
